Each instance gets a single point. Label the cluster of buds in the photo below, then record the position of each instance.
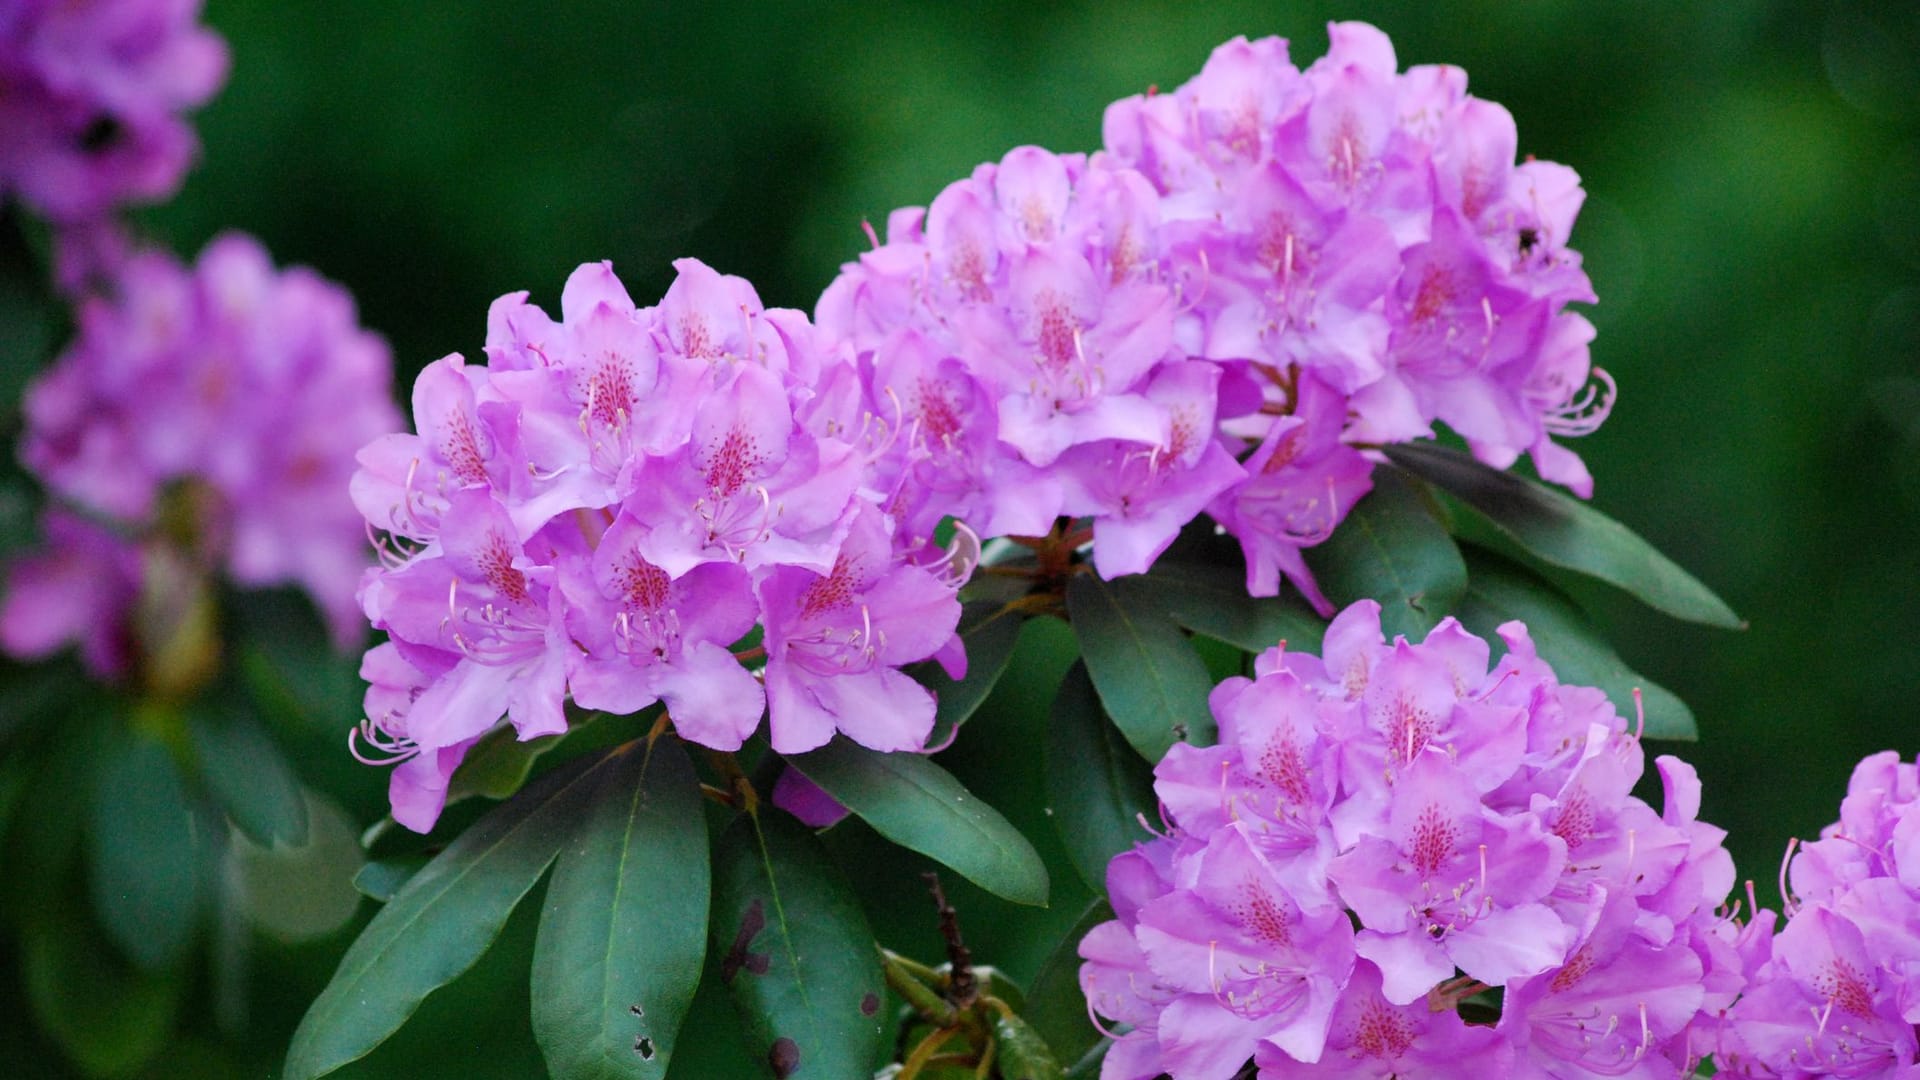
(1384, 835)
(205, 419)
(610, 505)
(1266, 274)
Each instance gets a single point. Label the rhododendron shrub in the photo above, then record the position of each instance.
(693, 600)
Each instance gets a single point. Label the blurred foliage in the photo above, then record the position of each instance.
(1752, 228)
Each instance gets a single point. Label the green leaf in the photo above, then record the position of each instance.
(624, 931)
(917, 804)
(1023, 1054)
(441, 920)
(1499, 590)
(1055, 1006)
(109, 1018)
(146, 883)
(380, 879)
(1096, 785)
(1212, 600)
(249, 777)
(1151, 681)
(989, 630)
(497, 765)
(796, 951)
(1392, 549)
(1565, 532)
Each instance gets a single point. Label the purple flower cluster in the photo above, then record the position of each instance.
(1384, 835)
(1266, 272)
(217, 405)
(613, 502)
(91, 97)
(1837, 991)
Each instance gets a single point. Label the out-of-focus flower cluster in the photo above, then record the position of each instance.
(1837, 991)
(1385, 834)
(91, 97)
(213, 410)
(1265, 272)
(612, 503)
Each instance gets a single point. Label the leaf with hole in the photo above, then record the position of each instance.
(624, 930)
(796, 951)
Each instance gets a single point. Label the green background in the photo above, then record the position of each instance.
(1752, 229)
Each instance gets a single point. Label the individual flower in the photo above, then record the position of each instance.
(1384, 835)
(215, 407)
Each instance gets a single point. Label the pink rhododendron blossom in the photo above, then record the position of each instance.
(219, 404)
(1384, 833)
(1835, 993)
(605, 509)
(1352, 249)
(91, 98)
(78, 590)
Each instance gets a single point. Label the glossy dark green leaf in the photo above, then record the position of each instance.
(1392, 549)
(498, 765)
(1023, 1054)
(1055, 1006)
(989, 631)
(624, 929)
(1499, 591)
(1096, 785)
(919, 805)
(249, 777)
(795, 951)
(145, 853)
(380, 879)
(1565, 532)
(441, 920)
(1151, 681)
(1212, 600)
(108, 1017)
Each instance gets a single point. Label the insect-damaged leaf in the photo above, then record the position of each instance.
(624, 929)
(795, 951)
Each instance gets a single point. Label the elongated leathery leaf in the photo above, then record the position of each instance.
(1565, 532)
(146, 882)
(1213, 600)
(989, 631)
(796, 951)
(624, 930)
(917, 804)
(1096, 785)
(249, 777)
(1392, 549)
(1055, 1006)
(1499, 591)
(442, 919)
(1151, 681)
